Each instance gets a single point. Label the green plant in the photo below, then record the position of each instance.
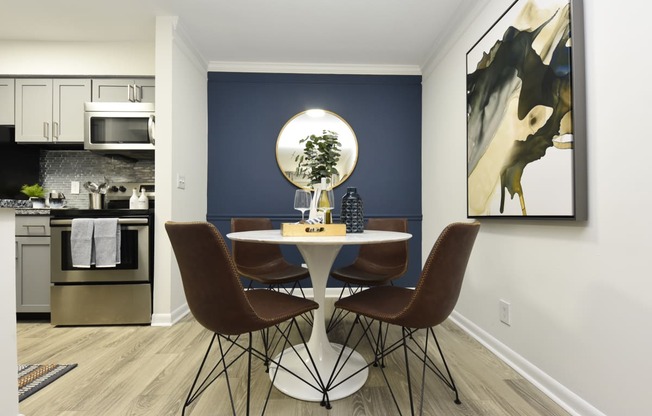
(33, 191)
(320, 155)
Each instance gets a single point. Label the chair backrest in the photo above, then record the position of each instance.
(254, 258)
(441, 279)
(388, 259)
(210, 281)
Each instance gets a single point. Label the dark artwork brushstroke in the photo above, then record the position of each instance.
(513, 63)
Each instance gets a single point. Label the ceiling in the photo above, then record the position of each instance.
(334, 32)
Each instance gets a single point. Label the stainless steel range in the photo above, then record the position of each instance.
(105, 295)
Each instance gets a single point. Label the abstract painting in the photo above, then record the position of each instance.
(520, 114)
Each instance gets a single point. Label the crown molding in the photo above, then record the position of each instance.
(467, 12)
(300, 68)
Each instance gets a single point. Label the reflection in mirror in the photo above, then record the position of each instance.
(304, 124)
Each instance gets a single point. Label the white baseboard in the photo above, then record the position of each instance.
(564, 397)
(169, 319)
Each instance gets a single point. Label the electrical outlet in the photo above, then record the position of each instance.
(504, 312)
(74, 187)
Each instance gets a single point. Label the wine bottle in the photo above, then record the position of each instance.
(324, 204)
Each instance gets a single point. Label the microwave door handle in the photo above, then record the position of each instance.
(150, 128)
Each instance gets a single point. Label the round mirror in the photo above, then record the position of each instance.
(291, 143)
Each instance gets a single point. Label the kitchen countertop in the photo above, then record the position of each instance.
(15, 203)
(32, 211)
(24, 207)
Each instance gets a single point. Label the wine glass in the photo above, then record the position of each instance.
(302, 199)
(326, 202)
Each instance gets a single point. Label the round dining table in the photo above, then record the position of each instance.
(319, 253)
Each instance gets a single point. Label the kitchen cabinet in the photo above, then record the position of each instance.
(51, 110)
(33, 263)
(7, 101)
(123, 90)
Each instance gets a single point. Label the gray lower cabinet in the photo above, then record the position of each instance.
(33, 264)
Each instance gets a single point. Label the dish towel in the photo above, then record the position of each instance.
(81, 242)
(107, 242)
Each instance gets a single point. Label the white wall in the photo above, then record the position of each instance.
(76, 58)
(580, 292)
(181, 149)
(8, 353)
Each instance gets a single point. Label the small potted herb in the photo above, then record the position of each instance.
(36, 194)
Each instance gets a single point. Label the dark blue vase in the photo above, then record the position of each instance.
(352, 214)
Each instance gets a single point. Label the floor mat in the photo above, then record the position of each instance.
(33, 377)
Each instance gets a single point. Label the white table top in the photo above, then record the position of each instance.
(275, 237)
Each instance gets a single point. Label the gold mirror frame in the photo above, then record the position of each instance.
(315, 122)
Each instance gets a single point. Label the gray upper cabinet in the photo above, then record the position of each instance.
(7, 101)
(123, 90)
(51, 110)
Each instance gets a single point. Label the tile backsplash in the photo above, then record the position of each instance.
(60, 167)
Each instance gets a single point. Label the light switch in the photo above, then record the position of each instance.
(181, 181)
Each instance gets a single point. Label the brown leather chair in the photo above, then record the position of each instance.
(424, 307)
(375, 265)
(218, 301)
(264, 263)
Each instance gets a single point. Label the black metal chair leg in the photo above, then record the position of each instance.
(249, 374)
(226, 376)
(407, 369)
(450, 376)
(189, 398)
(423, 372)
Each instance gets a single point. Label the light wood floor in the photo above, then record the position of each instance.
(140, 370)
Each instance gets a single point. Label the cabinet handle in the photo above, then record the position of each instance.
(122, 221)
(55, 130)
(139, 92)
(46, 130)
(130, 92)
(29, 229)
(151, 124)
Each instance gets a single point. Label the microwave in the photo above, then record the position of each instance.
(120, 128)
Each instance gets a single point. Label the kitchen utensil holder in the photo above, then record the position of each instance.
(95, 201)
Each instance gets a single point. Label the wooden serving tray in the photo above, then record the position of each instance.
(312, 230)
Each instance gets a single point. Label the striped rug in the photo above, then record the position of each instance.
(33, 377)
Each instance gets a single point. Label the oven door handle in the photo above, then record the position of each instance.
(121, 221)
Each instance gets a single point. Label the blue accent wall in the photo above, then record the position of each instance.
(246, 112)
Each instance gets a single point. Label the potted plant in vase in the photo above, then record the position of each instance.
(36, 194)
(318, 160)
